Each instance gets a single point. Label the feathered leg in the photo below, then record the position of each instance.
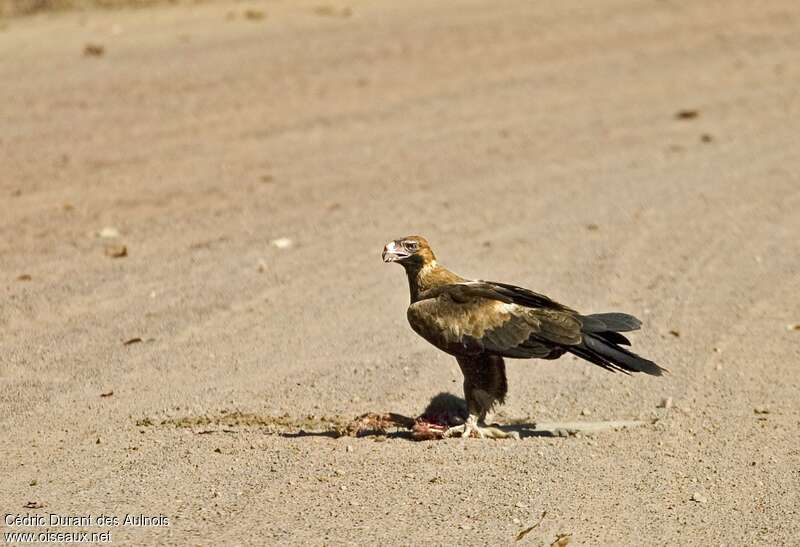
(484, 386)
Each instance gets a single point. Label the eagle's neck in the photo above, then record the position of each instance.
(426, 276)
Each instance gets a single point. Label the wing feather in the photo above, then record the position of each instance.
(474, 317)
(491, 317)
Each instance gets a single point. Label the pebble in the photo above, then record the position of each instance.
(665, 403)
(698, 497)
(348, 448)
(282, 243)
(116, 251)
(586, 412)
(109, 232)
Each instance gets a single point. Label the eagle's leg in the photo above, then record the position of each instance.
(484, 386)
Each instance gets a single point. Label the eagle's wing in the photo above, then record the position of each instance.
(524, 297)
(483, 316)
(502, 292)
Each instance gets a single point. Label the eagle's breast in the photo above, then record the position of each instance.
(453, 326)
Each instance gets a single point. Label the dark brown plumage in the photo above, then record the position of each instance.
(482, 322)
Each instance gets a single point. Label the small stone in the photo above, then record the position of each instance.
(665, 403)
(586, 412)
(761, 410)
(686, 114)
(675, 333)
(521, 505)
(282, 243)
(116, 251)
(699, 498)
(795, 326)
(254, 14)
(109, 232)
(348, 448)
(94, 50)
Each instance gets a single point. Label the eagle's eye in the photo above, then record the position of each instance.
(411, 245)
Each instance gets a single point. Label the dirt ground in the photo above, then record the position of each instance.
(253, 159)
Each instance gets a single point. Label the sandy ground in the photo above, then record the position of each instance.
(532, 143)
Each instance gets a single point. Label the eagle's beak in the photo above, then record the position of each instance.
(393, 252)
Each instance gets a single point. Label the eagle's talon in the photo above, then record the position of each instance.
(451, 431)
(481, 431)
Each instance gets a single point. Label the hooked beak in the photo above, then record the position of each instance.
(393, 252)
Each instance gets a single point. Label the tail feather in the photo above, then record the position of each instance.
(607, 354)
(614, 322)
(584, 353)
(614, 338)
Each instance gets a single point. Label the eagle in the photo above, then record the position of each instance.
(481, 323)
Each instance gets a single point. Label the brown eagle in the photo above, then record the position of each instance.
(481, 322)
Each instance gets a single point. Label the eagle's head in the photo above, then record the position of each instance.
(409, 251)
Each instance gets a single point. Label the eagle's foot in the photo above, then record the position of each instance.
(478, 429)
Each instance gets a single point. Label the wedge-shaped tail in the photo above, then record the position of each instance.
(602, 341)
